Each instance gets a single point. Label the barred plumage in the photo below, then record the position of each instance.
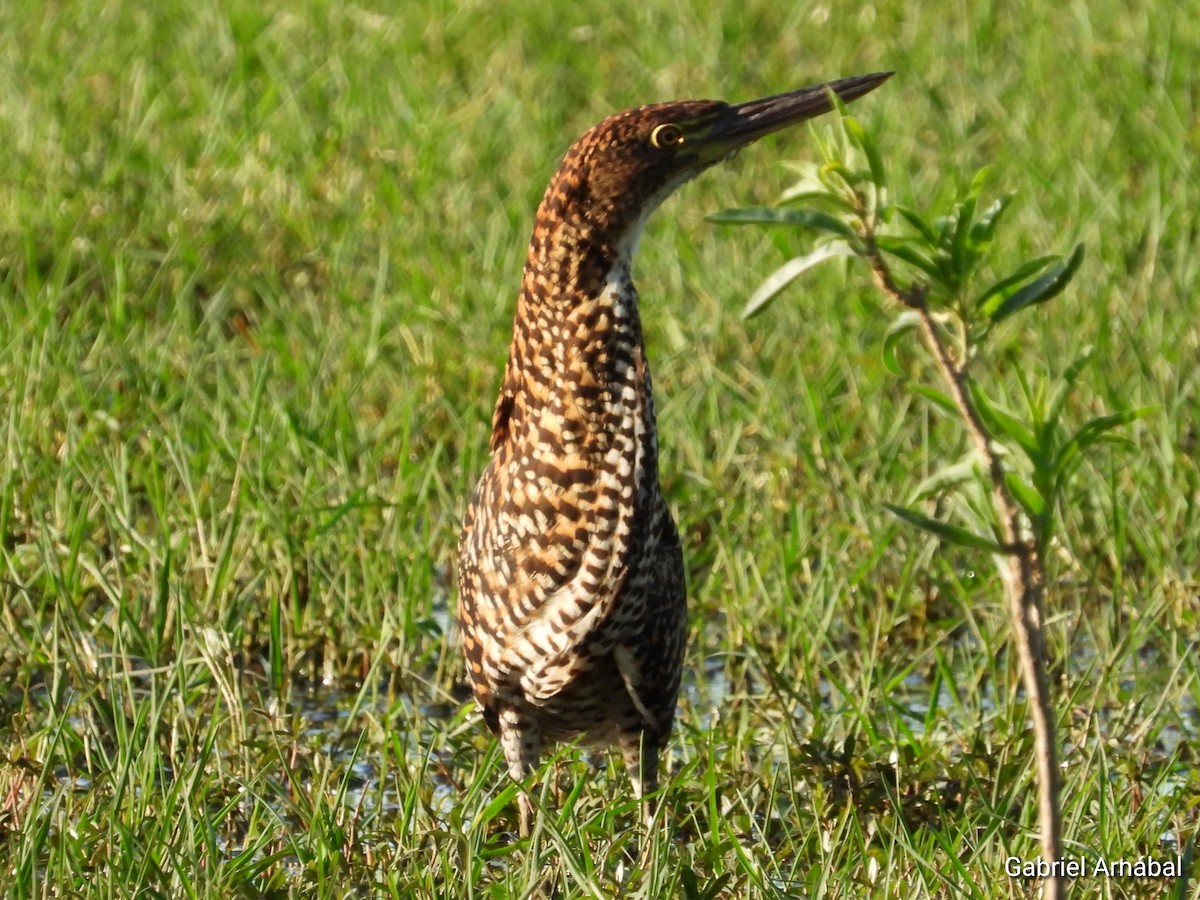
(572, 606)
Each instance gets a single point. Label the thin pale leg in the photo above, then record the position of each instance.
(641, 762)
(522, 744)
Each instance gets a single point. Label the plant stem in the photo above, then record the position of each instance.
(1020, 568)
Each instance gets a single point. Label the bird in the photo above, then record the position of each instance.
(572, 607)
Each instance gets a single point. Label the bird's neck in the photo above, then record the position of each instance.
(577, 375)
(578, 327)
(578, 308)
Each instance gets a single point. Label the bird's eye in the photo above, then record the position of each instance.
(666, 136)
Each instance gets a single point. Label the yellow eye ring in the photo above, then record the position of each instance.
(668, 135)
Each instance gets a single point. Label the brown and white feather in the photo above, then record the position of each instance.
(572, 604)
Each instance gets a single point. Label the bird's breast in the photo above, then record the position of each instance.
(558, 515)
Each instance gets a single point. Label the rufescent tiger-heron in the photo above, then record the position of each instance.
(571, 590)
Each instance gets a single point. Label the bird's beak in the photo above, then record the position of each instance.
(743, 123)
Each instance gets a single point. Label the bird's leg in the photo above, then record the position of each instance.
(641, 762)
(521, 741)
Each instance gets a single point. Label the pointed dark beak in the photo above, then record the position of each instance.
(743, 123)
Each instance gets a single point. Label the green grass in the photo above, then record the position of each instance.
(257, 269)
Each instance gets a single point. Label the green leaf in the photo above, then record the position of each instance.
(788, 272)
(960, 254)
(1042, 289)
(1000, 421)
(809, 189)
(837, 177)
(980, 180)
(1031, 501)
(914, 219)
(1092, 432)
(861, 139)
(989, 300)
(902, 248)
(966, 469)
(821, 197)
(905, 322)
(984, 229)
(770, 215)
(937, 398)
(945, 230)
(833, 169)
(951, 534)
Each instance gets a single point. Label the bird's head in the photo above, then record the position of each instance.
(620, 170)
